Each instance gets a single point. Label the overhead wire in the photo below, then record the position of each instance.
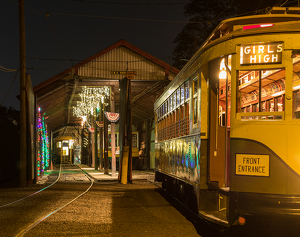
(104, 61)
(133, 3)
(4, 69)
(135, 19)
(125, 18)
(58, 42)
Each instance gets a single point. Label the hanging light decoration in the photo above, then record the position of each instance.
(91, 98)
(43, 144)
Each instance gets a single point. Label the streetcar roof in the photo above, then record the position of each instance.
(239, 21)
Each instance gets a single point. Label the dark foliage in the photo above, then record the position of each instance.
(10, 147)
(206, 15)
(12, 114)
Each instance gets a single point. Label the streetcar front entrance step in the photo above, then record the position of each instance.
(214, 217)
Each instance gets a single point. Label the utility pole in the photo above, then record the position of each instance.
(23, 151)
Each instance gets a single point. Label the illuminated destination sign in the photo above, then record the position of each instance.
(265, 53)
(252, 165)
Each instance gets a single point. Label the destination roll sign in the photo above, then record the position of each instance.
(264, 53)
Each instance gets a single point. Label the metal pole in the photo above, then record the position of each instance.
(23, 149)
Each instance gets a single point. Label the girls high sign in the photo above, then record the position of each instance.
(265, 53)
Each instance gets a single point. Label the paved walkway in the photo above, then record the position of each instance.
(137, 175)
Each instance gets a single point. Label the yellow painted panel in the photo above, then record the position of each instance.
(204, 102)
(268, 133)
(293, 151)
(135, 152)
(124, 165)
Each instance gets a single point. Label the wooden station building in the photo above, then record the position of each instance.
(57, 97)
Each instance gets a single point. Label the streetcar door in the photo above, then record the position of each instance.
(218, 124)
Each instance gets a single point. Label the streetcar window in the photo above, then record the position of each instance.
(195, 101)
(182, 94)
(65, 151)
(178, 97)
(187, 90)
(296, 86)
(174, 100)
(134, 140)
(166, 106)
(261, 91)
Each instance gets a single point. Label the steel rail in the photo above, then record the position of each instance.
(35, 192)
(23, 232)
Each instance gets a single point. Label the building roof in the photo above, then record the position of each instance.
(59, 94)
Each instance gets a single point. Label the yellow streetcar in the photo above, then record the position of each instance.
(227, 127)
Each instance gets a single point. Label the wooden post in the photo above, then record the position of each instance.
(129, 132)
(96, 144)
(89, 149)
(81, 144)
(122, 120)
(23, 150)
(93, 143)
(147, 145)
(101, 138)
(106, 162)
(112, 132)
(124, 164)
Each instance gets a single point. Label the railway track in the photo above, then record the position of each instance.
(68, 175)
(21, 199)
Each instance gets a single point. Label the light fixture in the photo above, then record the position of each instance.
(296, 87)
(222, 74)
(256, 26)
(278, 93)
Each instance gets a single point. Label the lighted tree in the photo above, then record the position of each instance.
(43, 158)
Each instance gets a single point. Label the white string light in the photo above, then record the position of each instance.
(91, 98)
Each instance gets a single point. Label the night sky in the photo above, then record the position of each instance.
(78, 29)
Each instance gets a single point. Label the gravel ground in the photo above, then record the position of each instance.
(136, 209)
(113, 209)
